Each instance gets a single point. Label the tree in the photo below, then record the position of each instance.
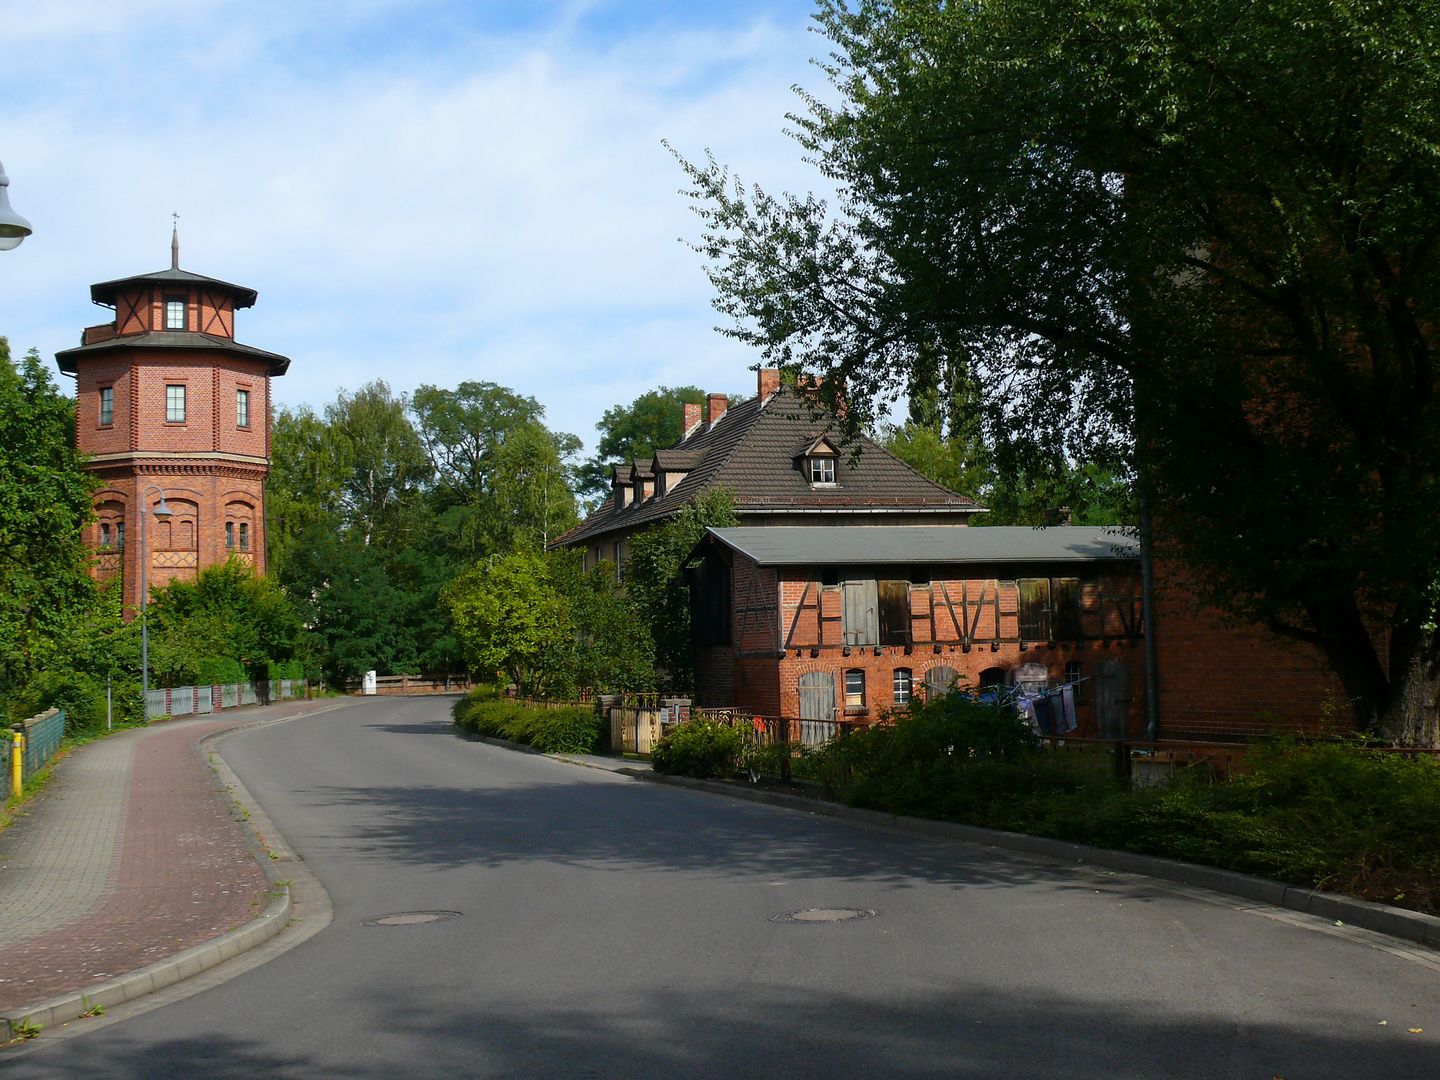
(652, 421)
(308, 473)
(1195, 243)
(227, 614)
(502, 478)
(46, 592)
(551, 629)
(385, 466)
(656, 585)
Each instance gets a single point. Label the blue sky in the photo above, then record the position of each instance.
(421, 192)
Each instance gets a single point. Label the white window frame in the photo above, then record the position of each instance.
(854, 700)
(171, 397)
(822, 471)
(242, 408)
(171, 308)
(908, 690)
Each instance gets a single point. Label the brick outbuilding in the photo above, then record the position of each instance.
(166, 397)
(822, 623)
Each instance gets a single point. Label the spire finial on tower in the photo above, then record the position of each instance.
(175, 244)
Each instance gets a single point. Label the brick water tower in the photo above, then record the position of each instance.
(167, 399)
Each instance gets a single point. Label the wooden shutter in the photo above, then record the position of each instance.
(894, 605)
(860, 614)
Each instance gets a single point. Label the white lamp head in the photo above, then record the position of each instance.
(13, 227)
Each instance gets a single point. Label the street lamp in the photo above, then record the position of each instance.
(13, 227)
(162, 513)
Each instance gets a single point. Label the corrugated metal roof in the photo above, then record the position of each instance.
(819, 545)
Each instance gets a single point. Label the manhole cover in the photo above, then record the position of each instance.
(411, 918)
(825, 914)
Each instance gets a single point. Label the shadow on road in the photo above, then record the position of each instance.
(604, 822)
(966, 1033)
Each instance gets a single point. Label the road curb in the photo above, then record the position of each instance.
(1397, 922)
(188, 963)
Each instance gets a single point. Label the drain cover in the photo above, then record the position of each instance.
(411, 918)
(825, 914)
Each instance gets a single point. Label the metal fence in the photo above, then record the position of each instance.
(43, 734)
(199, 700)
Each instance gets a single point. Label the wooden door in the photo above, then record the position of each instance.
(1112, 706)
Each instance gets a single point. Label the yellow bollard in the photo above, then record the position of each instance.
(17, 761)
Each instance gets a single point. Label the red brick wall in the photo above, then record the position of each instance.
(205, 491)
(90, 436)
(1213, 678)
(1238, 679)
(714, 676)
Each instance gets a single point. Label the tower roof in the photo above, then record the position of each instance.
(173, 339)
(104, 292)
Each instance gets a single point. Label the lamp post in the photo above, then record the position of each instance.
(13, 227)
(162, 513)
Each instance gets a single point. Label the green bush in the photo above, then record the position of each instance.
(552, 731)
(699, 747)
(1334, 815)
(218, 669)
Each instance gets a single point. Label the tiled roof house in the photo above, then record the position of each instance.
(779, 457)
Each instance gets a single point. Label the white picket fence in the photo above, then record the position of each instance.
(199, 700)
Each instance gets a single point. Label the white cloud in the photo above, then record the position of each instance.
(492, 206)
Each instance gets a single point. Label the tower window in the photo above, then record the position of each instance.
(104, 536)
(107, 406)
(244, 537)
(174, 404)
(242, 408)
(229, 535)
(120, 535)
(174, 314)
(822, 470)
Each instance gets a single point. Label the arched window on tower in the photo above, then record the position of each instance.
(244, 536)
(229, 536)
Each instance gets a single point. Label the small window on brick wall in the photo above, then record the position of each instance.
(854, 688)
(174, 404)
(229, 535)
(174, 313)
(903, 684)
(242, 408)
(107, 405)
(244, 536)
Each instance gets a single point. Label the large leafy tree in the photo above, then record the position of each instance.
(537, 620)
(385, 469)
(1197, 241)
(501, 477)
(46, 592)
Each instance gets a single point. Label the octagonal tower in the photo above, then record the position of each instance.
(167, 397)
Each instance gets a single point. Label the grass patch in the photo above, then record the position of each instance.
(570, 730)
(1331, 816)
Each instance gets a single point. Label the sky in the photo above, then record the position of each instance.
(420, 192)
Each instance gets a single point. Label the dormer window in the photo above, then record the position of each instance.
(174, 313)
(817, 460)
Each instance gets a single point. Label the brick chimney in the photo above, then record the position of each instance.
(716, 404)
(692, 418)
(769, 382)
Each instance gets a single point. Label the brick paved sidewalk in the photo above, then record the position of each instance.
(129, 854)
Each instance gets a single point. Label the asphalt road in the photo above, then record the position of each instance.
(616, 928)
